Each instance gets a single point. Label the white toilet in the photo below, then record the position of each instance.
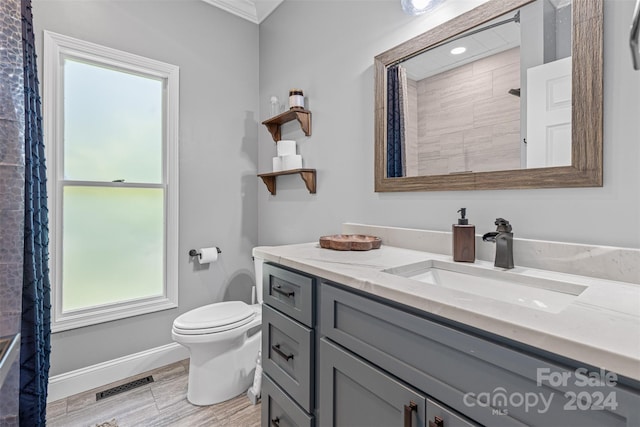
(223, 341)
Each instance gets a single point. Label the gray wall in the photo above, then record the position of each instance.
(11, 195)
(218, 58)
(327, 49)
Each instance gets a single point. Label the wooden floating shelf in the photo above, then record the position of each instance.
(303, 116)
(307, 175)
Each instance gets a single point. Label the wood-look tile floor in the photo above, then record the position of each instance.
(160, 403)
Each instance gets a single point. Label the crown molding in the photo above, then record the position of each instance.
(252, 10)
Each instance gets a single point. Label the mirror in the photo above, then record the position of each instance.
(521, 107)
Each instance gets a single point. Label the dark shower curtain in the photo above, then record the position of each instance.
(395, 124)
(36, 289)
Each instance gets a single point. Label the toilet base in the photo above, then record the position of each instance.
(225, 375)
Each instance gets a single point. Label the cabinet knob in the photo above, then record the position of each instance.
(437, 422)
(408, 413)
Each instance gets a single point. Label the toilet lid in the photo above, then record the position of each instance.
(222, 315)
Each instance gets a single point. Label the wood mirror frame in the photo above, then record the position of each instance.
(586, 104)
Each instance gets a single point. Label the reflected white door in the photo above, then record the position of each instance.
(549, 114)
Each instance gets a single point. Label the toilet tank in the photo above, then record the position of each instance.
(257, 266)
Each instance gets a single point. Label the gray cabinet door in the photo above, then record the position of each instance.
(356, 394)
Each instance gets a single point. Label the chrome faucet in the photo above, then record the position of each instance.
(503, 238)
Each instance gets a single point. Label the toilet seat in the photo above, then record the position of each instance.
(213, 318)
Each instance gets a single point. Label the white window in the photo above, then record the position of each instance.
(111, 126)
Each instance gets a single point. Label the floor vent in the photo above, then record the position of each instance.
(124, 387)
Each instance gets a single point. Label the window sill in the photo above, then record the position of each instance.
(97, 315)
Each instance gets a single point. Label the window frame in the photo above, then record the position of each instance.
(57, 47)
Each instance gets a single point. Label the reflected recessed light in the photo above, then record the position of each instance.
(458, 50)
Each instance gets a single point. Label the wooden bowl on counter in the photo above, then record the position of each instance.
(350, 242)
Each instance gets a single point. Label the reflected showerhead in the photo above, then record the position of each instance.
(514, 92)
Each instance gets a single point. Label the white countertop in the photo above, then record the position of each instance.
(600, 327)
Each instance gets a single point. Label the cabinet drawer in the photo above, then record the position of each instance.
(278, 410)
(289, 292)
(287, 350)
(482, 379)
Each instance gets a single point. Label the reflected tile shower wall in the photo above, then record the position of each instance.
(11, 193)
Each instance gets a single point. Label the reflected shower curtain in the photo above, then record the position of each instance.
(397, 103)
(36, 289)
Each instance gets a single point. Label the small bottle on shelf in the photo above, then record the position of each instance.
(275, 106)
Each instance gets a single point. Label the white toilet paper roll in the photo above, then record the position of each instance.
(208, 255)
(291, 162)
(286, 147)
(277, 164)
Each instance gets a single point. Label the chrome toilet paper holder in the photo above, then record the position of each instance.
(195, 252)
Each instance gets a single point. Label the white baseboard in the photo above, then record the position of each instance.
(80, 380)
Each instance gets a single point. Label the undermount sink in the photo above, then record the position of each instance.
(507, 286)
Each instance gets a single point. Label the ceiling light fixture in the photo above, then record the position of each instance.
(418, 7)
(458, 50)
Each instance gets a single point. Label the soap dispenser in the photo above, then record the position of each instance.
(464, 239)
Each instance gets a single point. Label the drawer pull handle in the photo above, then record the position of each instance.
(275, 422)
(279, 290)
(281, 353)
(408, 412)
(437, 422)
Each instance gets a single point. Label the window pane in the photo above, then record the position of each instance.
(112, 125)
(113, 245)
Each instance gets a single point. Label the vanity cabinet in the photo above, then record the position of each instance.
(368, 344)
(337, 356)
(288, 349)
